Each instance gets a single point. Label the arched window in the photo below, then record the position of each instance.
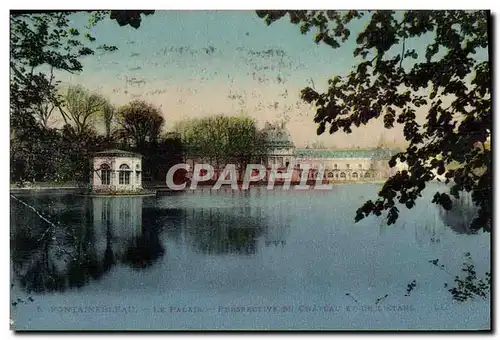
(330, 175)
(105, 174)
(355, 175)
(367, 174)
(124, 174)
(342, 175)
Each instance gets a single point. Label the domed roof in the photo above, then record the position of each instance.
(277, 135)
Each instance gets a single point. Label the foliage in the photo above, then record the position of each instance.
(459, 217)
(159, 157)
(78, 149)
(43, 41)
(34, 155)
(223, 139)
(132, 18)
(141, 122)
(53, 155)
(470, 286)
(40, 43)
(411, 286)
(391, 82)
(82, 107)
(22, 301)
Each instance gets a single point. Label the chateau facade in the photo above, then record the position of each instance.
(338, 165)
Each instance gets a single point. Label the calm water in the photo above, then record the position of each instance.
(207, 253)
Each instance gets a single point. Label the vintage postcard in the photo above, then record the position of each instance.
(250, 170)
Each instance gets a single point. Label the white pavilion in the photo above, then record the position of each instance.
(116, 171)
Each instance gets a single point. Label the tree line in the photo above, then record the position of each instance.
(44, 153)
(42, 42)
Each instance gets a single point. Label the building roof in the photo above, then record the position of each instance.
(319, 153)
(277, 136)
(117, 153)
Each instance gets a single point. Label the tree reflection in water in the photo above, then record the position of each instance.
(93, 235)
(144, 250)
(224, 230)
(460, 217)
(88, 241)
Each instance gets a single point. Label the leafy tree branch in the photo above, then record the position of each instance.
(382, 88)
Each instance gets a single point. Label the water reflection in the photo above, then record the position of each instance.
(84, 243)
(223, 230)
(461, 215)
(90, 236)
(121, 233)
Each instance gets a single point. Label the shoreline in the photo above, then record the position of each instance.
(43, 188)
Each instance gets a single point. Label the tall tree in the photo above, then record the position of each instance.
(451, 80)
(82, 107)
(40, 43)
(44, 41)
(223, 139)
(140, 122)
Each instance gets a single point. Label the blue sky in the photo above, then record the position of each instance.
(198, 63)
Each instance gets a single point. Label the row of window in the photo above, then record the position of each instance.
(123, 177)
(123, 174)
(279, 160)
(343, 175)
(105, 166)
(348, 166)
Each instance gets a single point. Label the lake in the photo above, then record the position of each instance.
(250, 260)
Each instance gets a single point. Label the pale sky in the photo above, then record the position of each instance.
(200, 63)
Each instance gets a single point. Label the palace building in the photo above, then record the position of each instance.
(338, 165)
(348, 165)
